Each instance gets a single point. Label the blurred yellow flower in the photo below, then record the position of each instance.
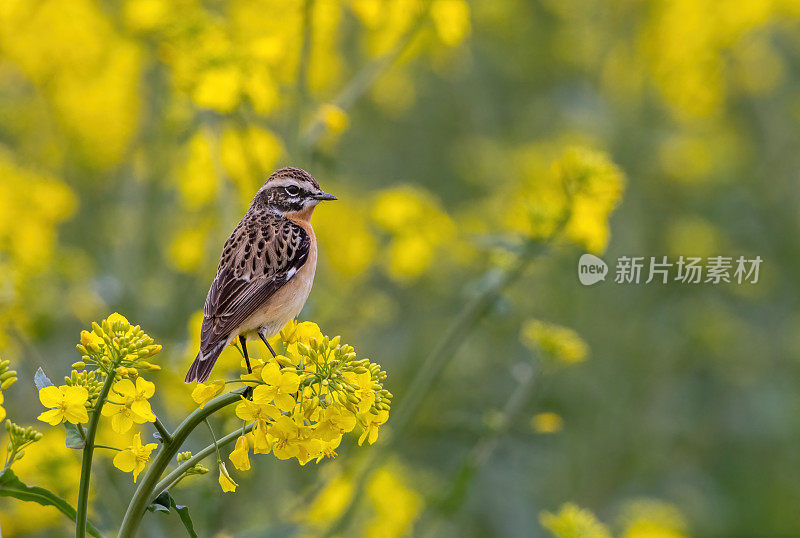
(197, 178)
(69, 404)
(396, 506)
(2, 409)
(333, 117)
(202, 393)
(219, 88)
(186, 250)
(572, 521)
(134, 458)
(651, 518)
(547, 422)
(451, 20)
(559, 343)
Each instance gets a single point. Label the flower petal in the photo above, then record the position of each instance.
(54, 417)
(145, 388)
(51, 396)
(125, 461)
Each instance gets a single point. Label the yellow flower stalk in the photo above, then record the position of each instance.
(134, 458)
(67, 403)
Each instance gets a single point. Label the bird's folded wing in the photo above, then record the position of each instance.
(262, 254)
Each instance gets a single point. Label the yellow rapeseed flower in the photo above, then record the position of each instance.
(135, 396)
(134, 407)
(283, 435)
(202, 393)
(259, 408)
(135, 457)
(225, 481)
(240, 455)
(67, 403)
(258, 438)
(371, 424)
(2, 409)
(364, 393)
(279, 386)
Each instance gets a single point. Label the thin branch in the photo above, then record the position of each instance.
(166, 437)
(366, 77)
(141, 497)
(173, 476)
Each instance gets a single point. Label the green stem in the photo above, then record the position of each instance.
(166, 437)
(366, 77)
(213, 438)
(143, 494)
(86, 463)
(168, 480)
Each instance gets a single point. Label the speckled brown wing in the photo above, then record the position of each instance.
(261, 255)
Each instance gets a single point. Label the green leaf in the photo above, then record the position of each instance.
(183, 512)
(74, 438)
(11, 486)
(164, 502)
(161, 503)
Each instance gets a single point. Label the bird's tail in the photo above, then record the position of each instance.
(201, 368)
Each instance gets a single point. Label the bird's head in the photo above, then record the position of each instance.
(290, 191)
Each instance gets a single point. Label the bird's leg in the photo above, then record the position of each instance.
(248, 392)
(243, 341)
(269, 347)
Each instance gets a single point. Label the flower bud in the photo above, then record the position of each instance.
(80, 365)
(6, 375)
(7, 383)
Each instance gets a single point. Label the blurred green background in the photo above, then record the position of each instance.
(134, 133)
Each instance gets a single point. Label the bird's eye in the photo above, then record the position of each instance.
(292, 190)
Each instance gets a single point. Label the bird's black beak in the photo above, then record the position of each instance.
(321, 195)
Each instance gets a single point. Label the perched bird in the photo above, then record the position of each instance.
(265, 271)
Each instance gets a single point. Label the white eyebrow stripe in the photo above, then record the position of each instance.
(286, 181)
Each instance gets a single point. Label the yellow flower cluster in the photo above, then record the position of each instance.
(304, 400)
(112, 348)
(577, 193)
(418, 226)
